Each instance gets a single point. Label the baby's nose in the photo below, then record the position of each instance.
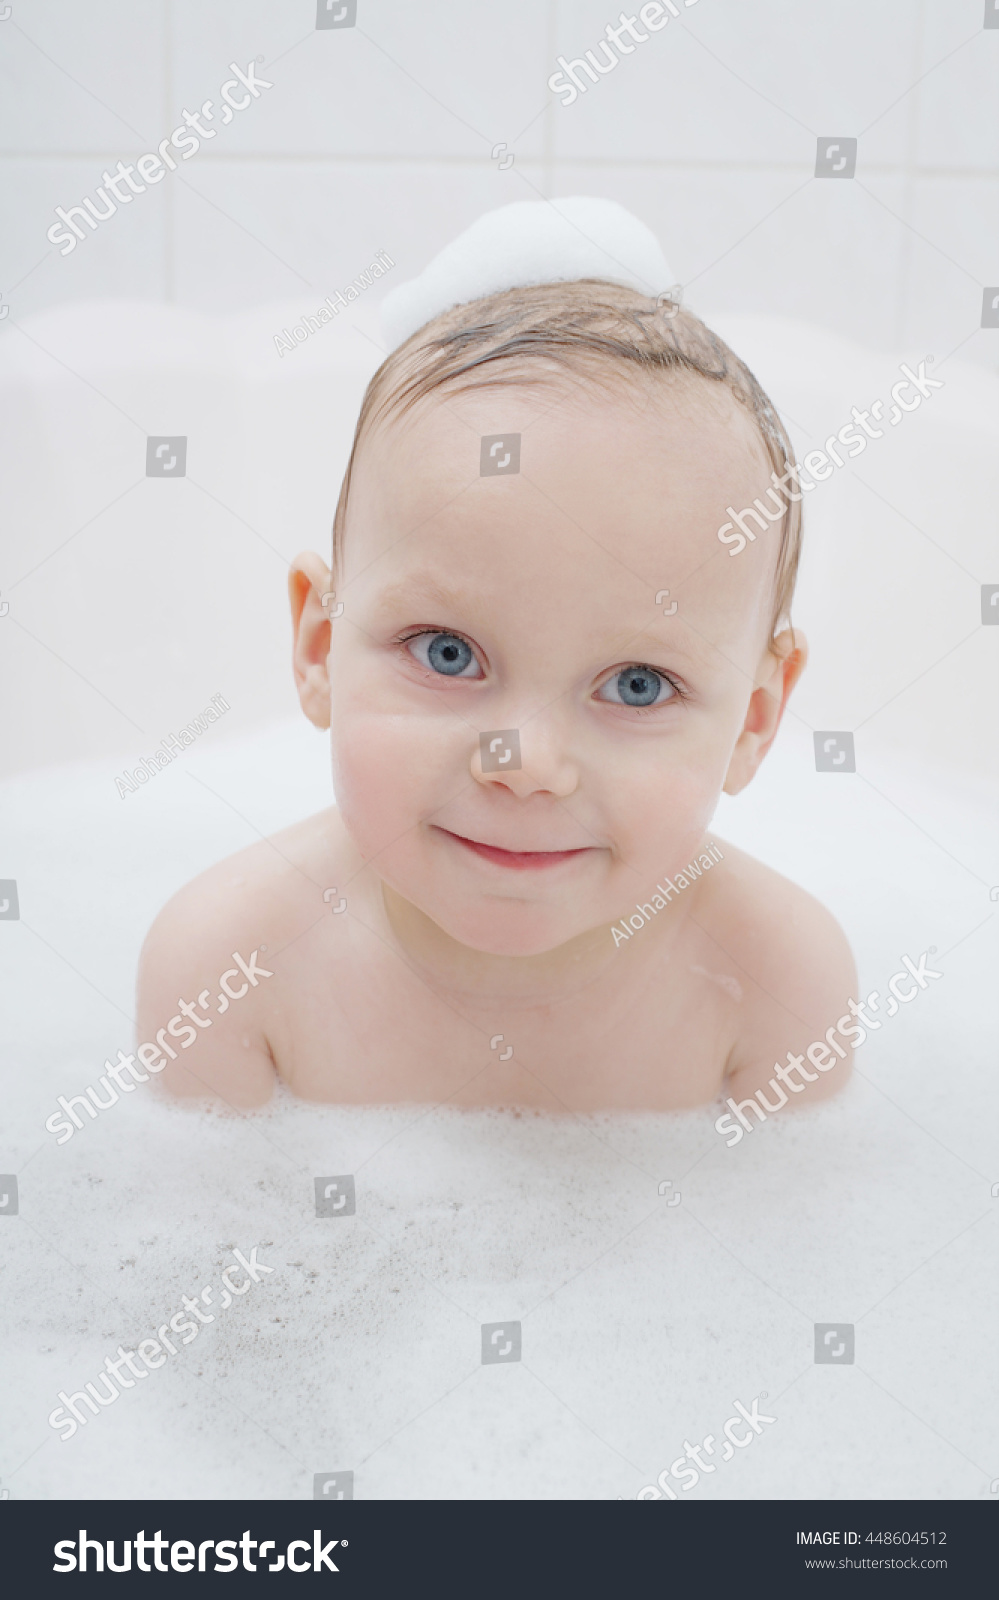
(523, 764)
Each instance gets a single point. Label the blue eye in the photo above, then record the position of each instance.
(637, 686)
(445, 653)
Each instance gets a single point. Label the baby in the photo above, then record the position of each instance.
(528, 743)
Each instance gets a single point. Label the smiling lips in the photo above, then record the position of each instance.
(519, 860)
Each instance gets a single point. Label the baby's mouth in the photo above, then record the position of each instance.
(519, 860)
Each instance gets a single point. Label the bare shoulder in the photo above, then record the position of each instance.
(798, 972)
(206, 989)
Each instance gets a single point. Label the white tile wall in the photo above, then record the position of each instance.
(444, 79)
(958, 122)
(325, 220)
(82, 78)
(380, 136)
(742, 85)
(943, 291)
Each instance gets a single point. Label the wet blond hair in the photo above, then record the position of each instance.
(591, 327)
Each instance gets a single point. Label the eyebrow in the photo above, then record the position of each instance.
(635, 643)
(425, 588)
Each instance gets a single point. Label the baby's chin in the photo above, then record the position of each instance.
(500, 927)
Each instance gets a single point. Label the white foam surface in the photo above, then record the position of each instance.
(642, 1322)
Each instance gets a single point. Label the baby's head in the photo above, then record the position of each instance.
(489, 594)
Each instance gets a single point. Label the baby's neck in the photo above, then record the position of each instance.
(471, 977)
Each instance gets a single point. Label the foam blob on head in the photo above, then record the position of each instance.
(528, 243)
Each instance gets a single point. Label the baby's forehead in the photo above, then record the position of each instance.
(586, 501)
(600, 389)
(636, 464)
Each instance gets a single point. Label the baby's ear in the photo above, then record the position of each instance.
(309, 581)
(780, 668)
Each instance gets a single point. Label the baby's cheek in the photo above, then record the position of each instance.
(366, 776)
(668, 812)
(386, 771)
